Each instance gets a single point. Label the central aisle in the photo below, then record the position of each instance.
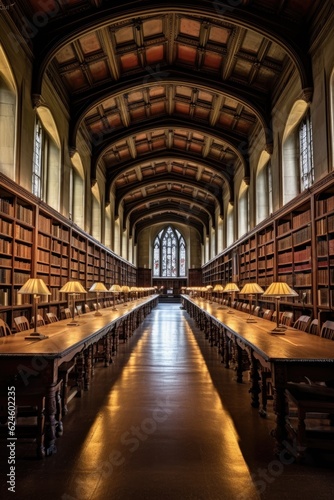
(151, 427)
(162, 432)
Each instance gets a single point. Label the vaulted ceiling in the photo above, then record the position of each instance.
(168, 93)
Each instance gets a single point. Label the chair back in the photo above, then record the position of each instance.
(87, 309)
(327, 330)
(302, 323)
(4, 329)
(79, 309)
(256, 311)
(21, 323)
(313, 327)
(51, 317)
(267, 314)
(40, 320)
(66, 313)
(286, 318)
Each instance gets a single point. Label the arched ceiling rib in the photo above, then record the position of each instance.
(168, 92)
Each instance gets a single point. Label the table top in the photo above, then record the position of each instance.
(63, 338)
(294, 345)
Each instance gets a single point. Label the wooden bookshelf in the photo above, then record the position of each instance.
(296, 245)
(36, 241)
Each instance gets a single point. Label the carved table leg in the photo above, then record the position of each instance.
(88, 355)
(239, 364)
(255, 386)
(51, 409)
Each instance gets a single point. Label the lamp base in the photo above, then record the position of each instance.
(222, 308)
(279, 330)
(251, 320)
(73, 323)
(97, 313)
(36, 336)
(230, 311)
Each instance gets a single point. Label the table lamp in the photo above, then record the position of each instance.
(251, 289)
(35, 287)
(231, 288)
(98, 288)
(134, 291)
(278, 290)
(72, 288)
(115, 289)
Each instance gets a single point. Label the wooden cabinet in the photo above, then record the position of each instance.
(36, 241)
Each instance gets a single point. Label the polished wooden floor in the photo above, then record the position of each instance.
(166, 421)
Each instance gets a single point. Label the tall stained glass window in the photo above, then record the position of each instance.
(169, 254)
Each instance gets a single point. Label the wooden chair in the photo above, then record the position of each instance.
(21, 323)
(302, 323)
(327, 330)
(310, 420)
(256, 311)
(79, 309)
(4, 329)
(313, 327)
(286, 318)
(40, 321)
(51, 317)
(66, 313)
(267, 314)
(87, 309)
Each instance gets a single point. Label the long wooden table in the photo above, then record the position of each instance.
(287, 358)
(36, 363)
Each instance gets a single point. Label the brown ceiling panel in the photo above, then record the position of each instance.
(75, 80)
(90, 44)
(212, 61)
(129, 61)
(124, 35)
(219, 35)
(186, 55)
(189, 27)
(99, 71)
(154, 54)
(152, 27)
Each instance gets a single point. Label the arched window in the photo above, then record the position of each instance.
(298, 168)
(169, 254)
(8, 105)
(46, 159)
(243, 210)
(264, 188)
(78, 192)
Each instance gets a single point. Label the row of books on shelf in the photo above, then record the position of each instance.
(5, 246)
(326, 297)
(7, 206)
(23, 251)
(302, 235)
(283, 227)
(301, 219)
(6, 227)
(325, 225)
(324, 275)
(265, 237)
(25, 214)
(326, 205)
(266, 249)
(22, 233)
(325, 247)
(303, 279)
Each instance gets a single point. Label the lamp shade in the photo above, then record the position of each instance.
(98, 287)
(73, 287)
(251, 289)
(115, 289)
(34, 286)
(279, 289)
(231, 287)
(125, 289)
(218, 288)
